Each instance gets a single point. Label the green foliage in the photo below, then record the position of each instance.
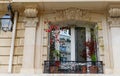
(93, 57)
(56, 53)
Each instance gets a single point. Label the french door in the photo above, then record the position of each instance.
(83, 35)
(71, 45)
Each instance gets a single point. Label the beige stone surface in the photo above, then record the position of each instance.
(29, 40)
(102, 59)
(4, 51)
(21, 18)
(20, 59)
(5, 34)
(45, 34)
(58, 0)
(3, 68)
(19, 42)
(45, 42)
(20, 25)
(4, 60)
(20, 33)
(5, 42)
(16, 68)
(15, 60)
(18, 51)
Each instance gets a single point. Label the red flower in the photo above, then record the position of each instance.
(48, 30)
(56, 27)
(51, 41)
(91, 47)
(57, 63)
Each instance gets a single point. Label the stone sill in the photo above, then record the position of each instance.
(59, 74)
(60, 0)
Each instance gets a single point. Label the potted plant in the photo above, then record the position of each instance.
(91, 47)
(84, 69)
(55, 64)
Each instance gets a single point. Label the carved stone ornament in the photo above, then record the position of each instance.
(114, 12)
(72, 13)
(31, 12)
(31, 22)
(114, 22)
(68, 14)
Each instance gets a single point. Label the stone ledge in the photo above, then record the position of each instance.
(21, 74)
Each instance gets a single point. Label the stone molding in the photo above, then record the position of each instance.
(114, 22)
(31, 22)
(72, 13)
(68, 14)
(114, 12)
(31, 12)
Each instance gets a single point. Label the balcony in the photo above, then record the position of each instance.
(78, 67)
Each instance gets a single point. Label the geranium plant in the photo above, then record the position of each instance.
(54, 30)
(90, 44)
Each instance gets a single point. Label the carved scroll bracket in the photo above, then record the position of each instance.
(30, 17)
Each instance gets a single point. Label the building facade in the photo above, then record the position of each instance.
(25, 49)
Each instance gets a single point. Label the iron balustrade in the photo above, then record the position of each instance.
(83, 67)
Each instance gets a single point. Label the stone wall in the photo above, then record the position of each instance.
(41, 43)
(5, 42)
(19, 44)
(5, 45)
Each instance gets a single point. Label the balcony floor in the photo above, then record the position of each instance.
(59, 74)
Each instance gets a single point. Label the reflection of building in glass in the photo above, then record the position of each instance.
(64, 46)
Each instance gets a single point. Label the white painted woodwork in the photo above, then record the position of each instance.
(72, 44)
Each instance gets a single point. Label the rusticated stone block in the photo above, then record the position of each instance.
(20, 33)
(20, 25)
(4, 59)
(5, 42)
(16, 68)
(20, 59)
(5, 34)
(18, 51)
(19, 42)
(15, 60)
(3, 68)
(4, 50)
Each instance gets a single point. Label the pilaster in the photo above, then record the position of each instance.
(114, 24)
(31, 21)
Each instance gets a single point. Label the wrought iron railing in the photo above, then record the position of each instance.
(95, 67)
